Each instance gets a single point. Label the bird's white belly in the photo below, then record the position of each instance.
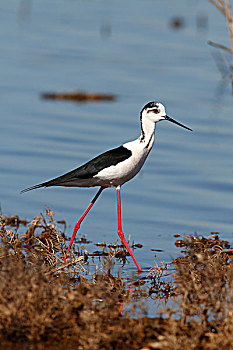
(119, 174)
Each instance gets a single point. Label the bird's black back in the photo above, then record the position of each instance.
(90, 169)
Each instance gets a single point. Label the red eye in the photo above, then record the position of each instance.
(156, 110)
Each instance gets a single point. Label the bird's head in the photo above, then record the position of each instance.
(156, 112)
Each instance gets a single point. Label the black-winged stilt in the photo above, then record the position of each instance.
(115, 167)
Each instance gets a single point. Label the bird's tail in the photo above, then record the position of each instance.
(33, 187)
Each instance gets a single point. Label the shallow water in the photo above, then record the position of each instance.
(128, 49)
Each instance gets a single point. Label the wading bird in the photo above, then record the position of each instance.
(115, 167)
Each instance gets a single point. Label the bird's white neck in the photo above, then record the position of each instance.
(147, 131)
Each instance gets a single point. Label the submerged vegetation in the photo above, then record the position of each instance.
(45, 303)
(78, 96)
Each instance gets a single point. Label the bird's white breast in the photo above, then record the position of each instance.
(124, 171)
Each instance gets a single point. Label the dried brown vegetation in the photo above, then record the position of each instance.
(204, 280)
(43, 303)
(224, 7)
(78, 96)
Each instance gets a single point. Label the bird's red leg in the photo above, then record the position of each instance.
(120, 232)
(78, 223)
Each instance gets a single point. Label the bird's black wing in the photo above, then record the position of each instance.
(90, 169)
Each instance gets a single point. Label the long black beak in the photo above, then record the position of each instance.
(177, 123)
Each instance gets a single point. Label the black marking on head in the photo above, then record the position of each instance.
(156, 110)
(90, 169)
(149, 105)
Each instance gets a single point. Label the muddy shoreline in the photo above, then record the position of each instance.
(47, 304)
